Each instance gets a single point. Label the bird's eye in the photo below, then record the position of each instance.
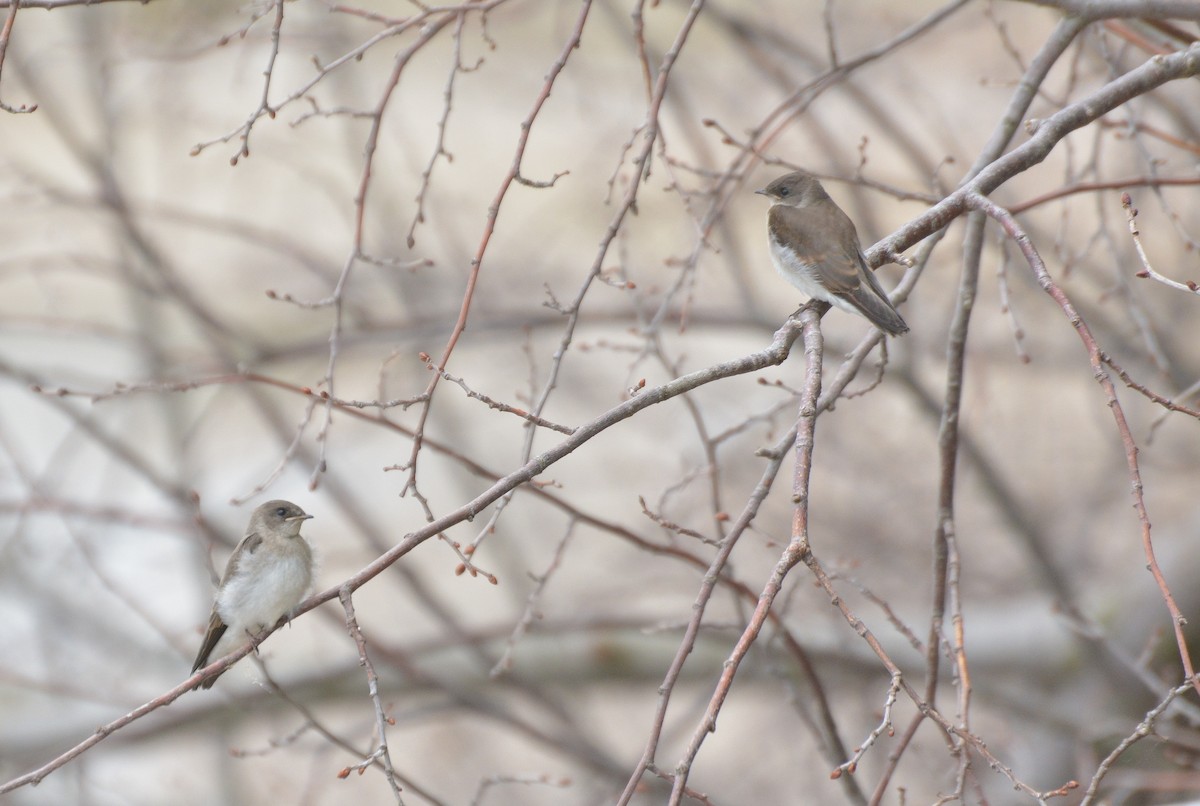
(281, 512)
(784, 191)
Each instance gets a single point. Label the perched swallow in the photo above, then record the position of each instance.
(267, 576)
(815, 247)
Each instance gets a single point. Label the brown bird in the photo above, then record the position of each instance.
(267, 576)
(815, 247)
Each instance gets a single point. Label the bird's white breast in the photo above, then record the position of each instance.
(266, 586)
(804, 276)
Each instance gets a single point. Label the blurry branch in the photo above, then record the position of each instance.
(5, 34)
(514, 171)
(993, 168)
(232, 378)
(46, 502)
(1093, 187)
(532, 609)
(649, 131)
(773, 355)
(311, 722)
(784, 114)
(289, 453)
(1049, 132)
(750, 152)
(991, 171)
(1096, 359)
(439, 149)
(394, 28)
(1092, 10)
(486, 784)
(714, 573)
(104, 731)
(957, 739)
(1006, 307)
(337, 299)
(944, 535)
(428, 30)
(117, 447)
(53, 4)
(1145, 728)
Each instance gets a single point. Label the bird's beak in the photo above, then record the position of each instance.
(303, 517)
(761, 192)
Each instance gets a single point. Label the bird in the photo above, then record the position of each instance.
(267, 576)
(815, 247)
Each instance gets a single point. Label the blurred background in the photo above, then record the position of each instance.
(180, 267)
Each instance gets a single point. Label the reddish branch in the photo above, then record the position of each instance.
(489, 228)
(1096, 359)
(773, 355)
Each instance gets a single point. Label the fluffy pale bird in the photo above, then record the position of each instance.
(267, 576)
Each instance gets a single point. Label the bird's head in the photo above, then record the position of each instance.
(797, 189)
(278, 517)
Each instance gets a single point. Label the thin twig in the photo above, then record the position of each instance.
(382, 720)
(1131, 213)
